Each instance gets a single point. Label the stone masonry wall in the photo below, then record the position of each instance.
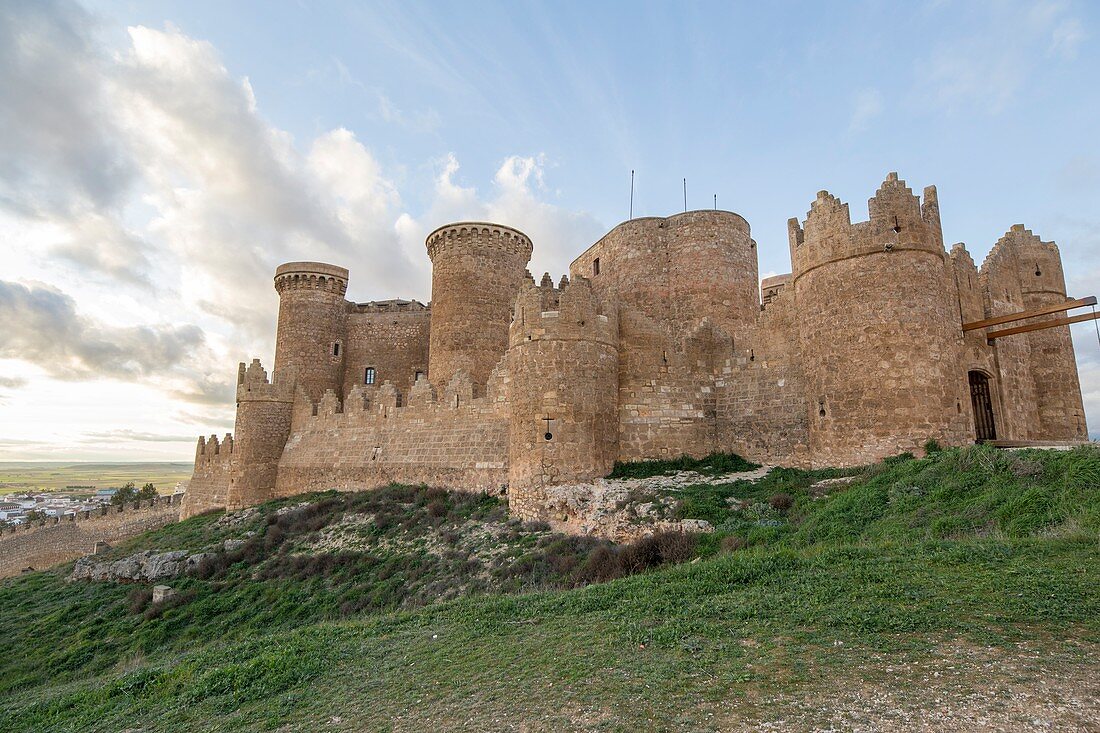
(391, 338)
(209, 485)
(42, 545)
(312, 322)
(367, 444)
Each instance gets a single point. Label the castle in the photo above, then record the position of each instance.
(661, 341)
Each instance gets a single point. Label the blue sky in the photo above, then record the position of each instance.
(157, 161)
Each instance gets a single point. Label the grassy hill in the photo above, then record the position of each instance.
(927, 594)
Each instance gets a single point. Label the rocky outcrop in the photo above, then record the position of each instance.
(143, 567)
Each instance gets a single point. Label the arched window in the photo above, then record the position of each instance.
(368, 376)
(336, 349)
(596, 266)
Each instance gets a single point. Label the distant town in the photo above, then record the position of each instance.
(26, 506)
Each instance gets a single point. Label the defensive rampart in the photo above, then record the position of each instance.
(45, 543)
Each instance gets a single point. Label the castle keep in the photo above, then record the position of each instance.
(660, 341)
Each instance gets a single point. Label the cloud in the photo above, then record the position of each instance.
(44, 328)
(558, 234)
(63, 159)
(867, 106)
(135, 435)
(12, 382)
(974, 68)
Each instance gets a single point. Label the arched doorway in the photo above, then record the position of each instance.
(982, 401)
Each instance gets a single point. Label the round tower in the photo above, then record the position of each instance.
(679, 270)
(563, 395)
(309, 344)
(1059, 406)
(477, 270)
(713, 270)
(261, 430)
(878, 330)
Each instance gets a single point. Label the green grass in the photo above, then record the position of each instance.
(995, 549)
(711, 465)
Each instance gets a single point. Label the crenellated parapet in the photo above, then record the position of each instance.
(311, 276)
(570, 312)
(211, 450)
(253, 385)
(464, 237)
(897, 222)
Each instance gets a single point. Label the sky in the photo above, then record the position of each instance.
(158, 160)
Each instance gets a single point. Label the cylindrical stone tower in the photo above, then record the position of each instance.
(309, 345)
(563, 395)
(262, 428)
(678, 270)
(1061, 412)
(879, 334)
(477, 271)
(713, 270)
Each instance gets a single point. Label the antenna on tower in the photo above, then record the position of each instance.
(716, 202)
(685, 195)
(631, 193)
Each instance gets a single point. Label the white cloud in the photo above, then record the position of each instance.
(150, 170)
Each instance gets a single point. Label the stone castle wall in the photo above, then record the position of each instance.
(392, 339)
(40, 545)
(660, 343)
(455, 441)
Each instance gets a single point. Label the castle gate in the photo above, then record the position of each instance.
(984, 427)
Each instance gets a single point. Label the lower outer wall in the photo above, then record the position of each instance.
(464, 448)
(43, 547)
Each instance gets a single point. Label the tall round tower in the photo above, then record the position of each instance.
(1061, 412)
(477, 270)
(309, 345)
(879, 333)
(563, 395)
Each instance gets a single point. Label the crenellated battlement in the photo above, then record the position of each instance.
(389, 306)
(897, 221)
(311, 276)
(570, 311)
(211, 450)
(1037, 264)
(253, 385)
(470, 235)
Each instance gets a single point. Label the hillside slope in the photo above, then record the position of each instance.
(927, 594)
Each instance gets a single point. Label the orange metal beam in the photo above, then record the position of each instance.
(1056, 308)
(1053, 323)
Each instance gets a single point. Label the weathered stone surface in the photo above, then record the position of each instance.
(144, 566)
(658, 344)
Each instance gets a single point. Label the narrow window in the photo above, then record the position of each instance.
(418, 375)
(368, 377)
(596, 266)
(336, 349)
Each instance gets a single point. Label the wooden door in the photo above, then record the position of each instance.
(984, 427)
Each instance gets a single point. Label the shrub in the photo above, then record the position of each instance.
(781, 502)
(138, 599)
(733, 543)
(932, 446)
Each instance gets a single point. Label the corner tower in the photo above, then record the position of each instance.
(262, 428)
(477, 271)
(309, 344)
(563, 395)
(878, 330)
(1058, 401)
